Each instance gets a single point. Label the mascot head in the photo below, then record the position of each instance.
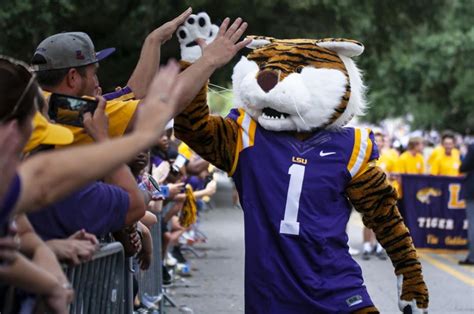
(300, 84)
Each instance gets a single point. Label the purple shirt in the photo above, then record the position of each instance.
(126, 91)
(295, 212)
(98, 208)
(9, 202)
(196, 183)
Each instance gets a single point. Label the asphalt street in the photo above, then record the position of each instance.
(216, 285)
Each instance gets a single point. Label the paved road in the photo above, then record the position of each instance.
(217, 282)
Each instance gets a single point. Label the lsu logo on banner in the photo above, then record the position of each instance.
(424, 195)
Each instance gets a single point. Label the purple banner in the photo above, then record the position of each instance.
(434, 210)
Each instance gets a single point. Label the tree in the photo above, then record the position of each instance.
(417, 60)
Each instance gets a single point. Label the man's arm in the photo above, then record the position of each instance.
(34, 247)
(43, 182)
(196, 166)
(122, 177)
(149, 60)
(25, 275)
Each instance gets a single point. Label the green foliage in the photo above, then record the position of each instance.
(418, 57)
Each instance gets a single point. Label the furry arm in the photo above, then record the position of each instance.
(212, 137)
(376, 200)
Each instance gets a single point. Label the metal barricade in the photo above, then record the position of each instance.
(150, 281)
(99, 284)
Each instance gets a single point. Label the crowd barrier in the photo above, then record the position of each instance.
(105, 284)
(434, 210)
(100, 285)
(150, 281)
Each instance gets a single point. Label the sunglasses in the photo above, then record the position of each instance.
(20, 66)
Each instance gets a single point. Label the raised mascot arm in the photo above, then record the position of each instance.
(212, 137)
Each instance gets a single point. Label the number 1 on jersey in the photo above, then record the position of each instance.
(289, 224)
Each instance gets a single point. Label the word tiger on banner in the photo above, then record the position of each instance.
(434, 211)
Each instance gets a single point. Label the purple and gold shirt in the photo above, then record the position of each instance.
(296, 211)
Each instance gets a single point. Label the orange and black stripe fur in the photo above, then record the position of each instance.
(215, 139)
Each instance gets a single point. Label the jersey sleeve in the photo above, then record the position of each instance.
(364, 152)
(212, 137)
(120, 94)
(107, 208)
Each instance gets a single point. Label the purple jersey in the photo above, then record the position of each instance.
(296, 212)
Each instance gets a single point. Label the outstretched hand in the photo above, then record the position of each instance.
(165, 31)
(160, 101)
(225, 46)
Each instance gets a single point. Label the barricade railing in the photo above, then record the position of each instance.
(150, 281)
(100, 285)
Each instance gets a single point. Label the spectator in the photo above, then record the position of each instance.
(467, 167)
(411, 161)
(67, 63)
(19, 96)
(447, 161)
(100, 207)
(82, 164)
(439, 151)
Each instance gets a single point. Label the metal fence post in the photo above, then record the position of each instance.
(99, 284)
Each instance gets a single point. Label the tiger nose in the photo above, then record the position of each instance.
(267, 80)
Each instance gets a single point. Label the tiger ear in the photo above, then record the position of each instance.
(259, 41)
(346, 47)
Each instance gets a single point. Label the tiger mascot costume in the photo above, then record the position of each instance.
(299, 172)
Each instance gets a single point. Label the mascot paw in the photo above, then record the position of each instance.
(412, 296)
(196, 26)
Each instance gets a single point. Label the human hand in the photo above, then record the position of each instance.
(175, 189)
(164, 33)
(135, 240)
(97, 125)
(412, 294)
(59, 298)
(211, 188)
(149, 184)
(8, 250)
(83, 235)
(144, 259)
(72, 251)
(160, 101)
(225, 45)
(11, 144)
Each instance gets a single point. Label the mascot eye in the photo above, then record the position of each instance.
(299, 69)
